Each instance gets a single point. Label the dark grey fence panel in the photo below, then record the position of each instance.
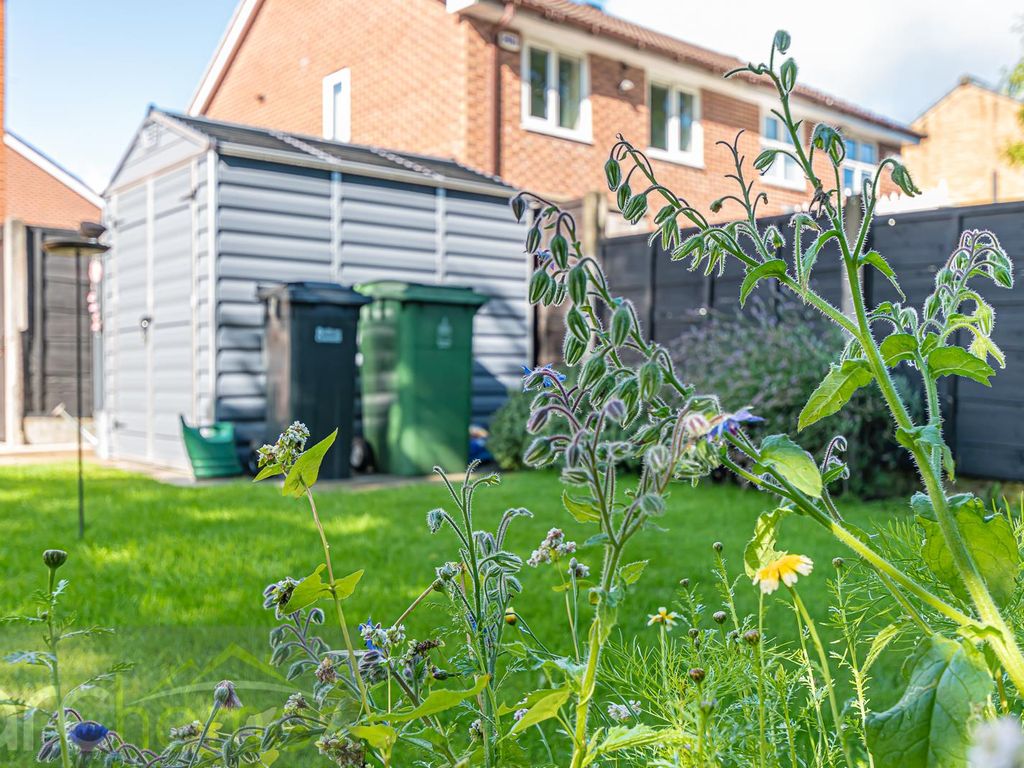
(985, 424)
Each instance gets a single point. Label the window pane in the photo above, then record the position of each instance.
(847, 180)
(659, 117)
(340, 110)
(685, 122)
(538, 83)
(771, 128)
(568, 92)
(793, 172)
(865, 180)
(867, 153)
(851, 149)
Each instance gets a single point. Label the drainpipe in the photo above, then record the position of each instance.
(506, 19)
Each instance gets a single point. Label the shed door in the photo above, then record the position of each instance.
(153, 356)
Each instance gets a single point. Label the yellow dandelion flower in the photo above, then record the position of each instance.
(663, 616)
(786, 568)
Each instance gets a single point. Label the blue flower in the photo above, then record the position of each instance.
(546, 373)
(730, 422)
(87, 735)
(367, 630)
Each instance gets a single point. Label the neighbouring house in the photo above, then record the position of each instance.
(962, 151)
(533, 91)
(38, 198)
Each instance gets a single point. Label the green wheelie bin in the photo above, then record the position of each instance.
(417, 374)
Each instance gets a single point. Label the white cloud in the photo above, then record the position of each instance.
(893, 56)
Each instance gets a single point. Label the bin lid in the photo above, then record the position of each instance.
(422, 293)
(313, 292)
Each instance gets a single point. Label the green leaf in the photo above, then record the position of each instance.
(897, 347)
(791, 461)
(584, 511)
(772, 268)
(542, 708)
(876, 260)
(990, 540)
(761, 548)
(879, 643)
(835, 391)
(271, 470)
(929, 727)
(382, 737)
(344, 588)
(439, 700)
(307, 467)
(631, 572)
(956, 361)
(307, 592)
(622, 737)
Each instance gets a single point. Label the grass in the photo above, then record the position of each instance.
(179, 571)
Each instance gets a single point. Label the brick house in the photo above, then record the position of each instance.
(534, 91)
(963, 147)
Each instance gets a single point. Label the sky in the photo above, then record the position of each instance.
(81, 73)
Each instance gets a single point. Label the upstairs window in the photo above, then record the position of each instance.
(785, 171)
(337, 105)
(859, 165)
(555, 92)
(674, 122)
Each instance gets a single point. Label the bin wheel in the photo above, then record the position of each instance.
(361, 457)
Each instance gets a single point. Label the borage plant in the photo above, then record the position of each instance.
(976, 557)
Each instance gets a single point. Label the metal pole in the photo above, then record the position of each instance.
(78, 389)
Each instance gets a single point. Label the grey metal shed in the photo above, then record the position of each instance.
(201, 213)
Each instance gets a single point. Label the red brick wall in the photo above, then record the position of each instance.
(3, 102)
(407, 68)
(567, 169)
(38, 199)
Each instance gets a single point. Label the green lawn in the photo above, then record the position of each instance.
(179, 573)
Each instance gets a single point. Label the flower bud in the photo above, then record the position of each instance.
(717, 546)
(694, 632)
(751, 637)
(615, 410)
(697, 675)
(510, 616)
(55, 558)
(719, 617)
(684, 583)
(838, 563)
(225, 696)
(708, 706)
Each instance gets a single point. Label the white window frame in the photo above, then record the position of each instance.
(774, 179)
(859, 167)
(331, 127)
(549, 124)
(693, 156)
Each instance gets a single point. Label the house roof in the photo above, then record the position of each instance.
(973, 82)
(47, 164)
(298, 149)
(581, 15)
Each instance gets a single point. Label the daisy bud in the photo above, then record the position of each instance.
(717, 546)
(697, 675)
(694, 632)
(225, 696)
(55, 558)
(751, 637)
(719, 617)
(838, 563)
(684, 583)
(708, 706)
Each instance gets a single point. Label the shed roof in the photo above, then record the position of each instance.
(276, 146)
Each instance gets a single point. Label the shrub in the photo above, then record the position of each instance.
(507, 437)
(771, 359)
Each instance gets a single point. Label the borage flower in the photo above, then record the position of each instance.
(88, 734)
(787, 568)
(663, 616)
(730, 422)
(546, 373)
